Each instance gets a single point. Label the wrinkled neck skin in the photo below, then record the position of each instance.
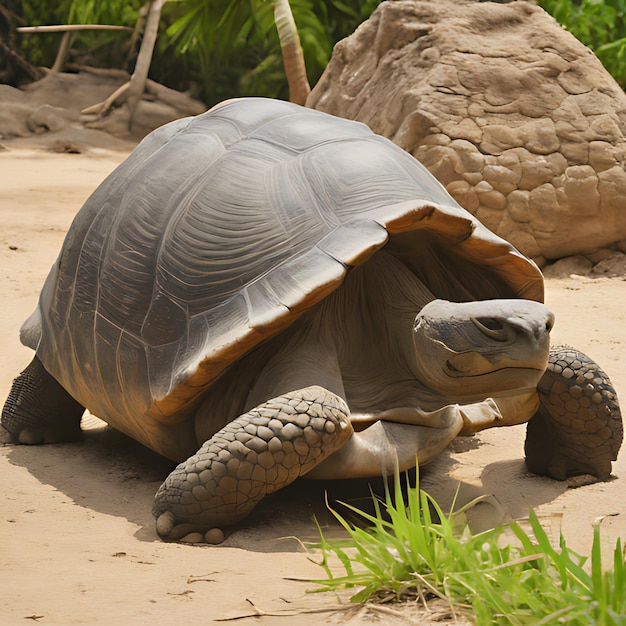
(382, 342)
(357, 342)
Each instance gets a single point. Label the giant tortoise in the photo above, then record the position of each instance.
(265, 291)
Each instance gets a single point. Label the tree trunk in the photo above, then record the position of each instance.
(144, 59)
(133, 47)
(293, 59)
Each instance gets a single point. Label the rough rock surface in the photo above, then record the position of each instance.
(517, 119)
(51, 108)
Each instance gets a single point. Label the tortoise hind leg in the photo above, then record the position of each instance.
(578, 427)
(39, 410)
(256, 454)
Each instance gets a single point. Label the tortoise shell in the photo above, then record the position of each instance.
(220, 230)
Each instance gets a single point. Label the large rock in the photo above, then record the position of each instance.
(510, 112)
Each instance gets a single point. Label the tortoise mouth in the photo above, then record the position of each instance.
(502, 382)
(467, 387)
(474, 364)
(453, 372)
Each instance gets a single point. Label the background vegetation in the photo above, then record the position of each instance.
(226, 48)
(219, 48)
(600, 25)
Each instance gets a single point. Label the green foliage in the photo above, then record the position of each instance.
(225, 48)
(42, 49)
(415, 550)
(236, 45)
(600, 25)
(230, 48)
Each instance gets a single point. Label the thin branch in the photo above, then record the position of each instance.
(102, 108)
(60, 28)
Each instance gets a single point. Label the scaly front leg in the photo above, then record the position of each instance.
(258, 453)
(578, 427)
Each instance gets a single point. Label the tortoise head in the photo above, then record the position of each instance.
(468, 351)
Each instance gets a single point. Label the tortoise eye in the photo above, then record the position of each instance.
(490, 322)
(492, 327)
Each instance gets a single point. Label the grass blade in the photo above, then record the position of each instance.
(414, 550)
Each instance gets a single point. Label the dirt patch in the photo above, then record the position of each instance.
(49, 113)
(78, 540)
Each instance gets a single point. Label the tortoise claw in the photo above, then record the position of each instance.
(165, 523)
(169, 530)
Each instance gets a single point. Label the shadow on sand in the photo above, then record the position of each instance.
(112, 474)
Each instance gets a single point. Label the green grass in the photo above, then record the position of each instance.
(500, 576)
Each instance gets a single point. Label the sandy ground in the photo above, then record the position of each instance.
(77, 541)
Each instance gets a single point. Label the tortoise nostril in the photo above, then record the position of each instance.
(550, 323)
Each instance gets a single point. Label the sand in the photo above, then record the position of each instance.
(78, 544)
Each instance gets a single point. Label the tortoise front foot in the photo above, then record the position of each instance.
(578, 427)
(256, 454)
(39, 410)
